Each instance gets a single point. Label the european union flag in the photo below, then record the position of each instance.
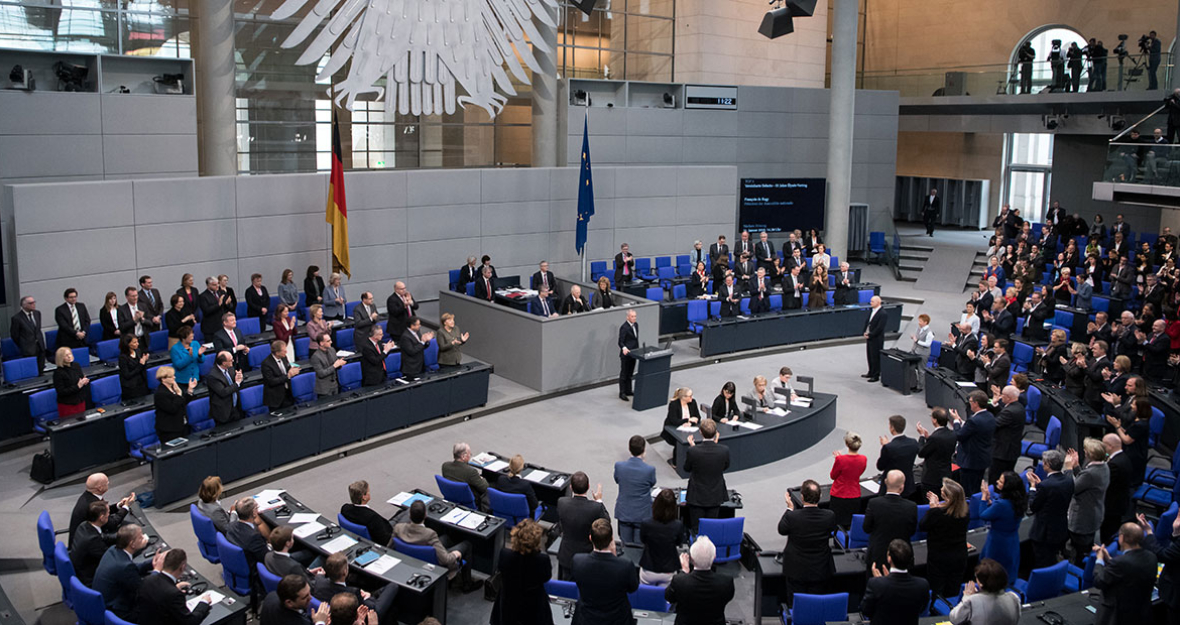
(585, 190)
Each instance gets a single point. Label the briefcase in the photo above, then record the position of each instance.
(42, 470)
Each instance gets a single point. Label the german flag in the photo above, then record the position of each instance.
(337, 214)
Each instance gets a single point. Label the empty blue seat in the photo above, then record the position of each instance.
(89, 606)
(597, 269)
(140, 430)
(359, 530)
(1044, 583)
(698, 310)
(455, 492)
(303, 387)
(235, 570)
(65, 571)
(1034, 404)
(198, 415)
(648, 597)
(665, 274)
(19, 369)
(51, 339)
(919, 534)
(663, 261)
(350, 376)
(206, 534)
(817, 609)
(94, 333)
(251, 398)
(206, 365)
(158, 341)
(302, 348)
(393, 365)
(855, 537)
(258, 354)
(864, 296)
(153, 383)
(350, 306)
(1034, 450)
(831, 298)
(106, 391)
(679, 292)
(45, 539)
(344, 339)
(108, 351)
(776, 302)
(565, 590)
(685, 259)
(714, 310)
(1063, 318)
(240, 310)
(43, 407)
(453, 279)
(270, 581)
(430, 355)
(1022, 355)
(470, 289)
(655, 294)
(1100, 304)
(643, 267)
(744, 306)
(249, 326)
(726, 535)
(9, 350)
(935, 352)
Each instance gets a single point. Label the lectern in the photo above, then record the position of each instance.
(899, 370)
(653, 377)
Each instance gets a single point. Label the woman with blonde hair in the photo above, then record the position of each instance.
(334, 298)
(602, 295)
(70, 384)
(171, 400)
(846, 471)
(945, 525)
(450, 342)
(513, 484)
(762, 399)
(524, 569)
(317, 326)
(1075, 369)
(209, 503)
(1051, 356)
(682, 410)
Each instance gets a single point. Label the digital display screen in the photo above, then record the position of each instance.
(720, 102)
(781, 204)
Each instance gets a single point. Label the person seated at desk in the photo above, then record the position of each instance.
(513, 484)
(70, 384)
(573, 303)
(91, 542)
(604, 580)
(543, 305)
(760, 397)
(257, 301)
(331, 588)
(725, 405)
(230, 339)
(224, 382)
(792, 290)
(602, 297)
(73, 321)
(730, 298)
(662, 534)
(326, 365)
(455, 556)
(373, 352)
(575, 515)
(400, 305)
(245, 534)
(524, 569)
(892, 594)
(187, 356)
(289, 603)
(118, 578)
(817, 298)
(544, 278)
(161, 599)
(97, 485)
(759, 288)
(288, 292)
(485, 288)
(682, 410)
(175, 319)
(987, 599)
(459, 469)
(171, 401)
(698, 282)
(132, 369)
(209, 504)
(413, 348)
(358, 511)
(783, 383)
(108, 316)
(280, 562)
(364, 315)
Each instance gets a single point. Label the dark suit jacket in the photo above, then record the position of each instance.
(284, 565)
(273, 612)
(109, 327)
(1049, 504)
(575, 515)
(975, 441)
(255, 302)
(759, 304)
(603, 583)
(899, 454)
(211, 312)
(535, 282)
(717, 251)
(706, 463)
(1118, 491)
(888, 517)
(118, 580)
(65, 325)
(160, 602)
(222, 343)
(740, 246)
(518, 486)
(276, 389)
(399, 315)
(223, 394)
(875, 326)
(676, 414)
(246, 536)
(1095, 382)
(808, 554)
(898, 599)
(700, 597)
(936, 450)
(627, 338)
(523, 598)
(324, 589)
(999, 370)
(372, 363)
(127, 320)
(482, 290)
(78, 515)
(548, 309)
(1009, 430)
(1126, 583)
(379, 528)
(571, 305)
(1169, 556)
(413, 354)
(728, 308)
(462, 472)
(619, 268)
(467, 273)
(791, 298)
(156, 309)
(27, 335)
(964, 365)
(90, 544)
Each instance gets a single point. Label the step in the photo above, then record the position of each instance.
(912, 257)
(917, 248)
(904, 300)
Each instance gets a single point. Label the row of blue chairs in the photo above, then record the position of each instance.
(646, 597)
(700, 310)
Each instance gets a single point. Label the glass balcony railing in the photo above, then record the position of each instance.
(979, 80)
(1143, 163)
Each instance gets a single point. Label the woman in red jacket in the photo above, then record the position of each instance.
(846, 472)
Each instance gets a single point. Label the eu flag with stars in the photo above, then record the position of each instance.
(585, 190)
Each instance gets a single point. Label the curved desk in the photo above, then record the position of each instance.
(777, 438)
(735, 334)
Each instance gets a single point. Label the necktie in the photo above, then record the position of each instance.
(74, 316)
(378, 348)
(282, 366)
(31, 319)
(231, 383)
(233, 337)
(151, 298)
(545, 280)
(545, 307)
(488, 286)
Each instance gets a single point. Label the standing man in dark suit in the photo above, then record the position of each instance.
(1037, 312)
(459, 469)
(1007, 435)
(759, 293)
(1154, 49)
(998, 366)
(149, 296)
(706, 464)
(604, 580)
(364, 317)
(892, 595)
(244, 532)
(413, 348)
(276, 378)
(133, 318)
(224, 383)
(807, 558)
(544, 278)
(257, 301)
(931, 209)
(764, 252)
(975, 441)
(1122, 278)
(936, 448)
(624, 266)
(211, 301)
(744, 245)
(162, 602)
(718, 250)
(97, 485)
(73, 322)
(91, 542)
(889, 517)
(25, 331)
(628, 340)
(373, 352)
(730, 298)
(897, 454)
(875, 338)
(230, 339)
(845, 294)
(1096, 374)
(358, 511)
(1117, 501)
(485, 288)
(575, 515)
(118, 577)
(744, 271)
(327, 364)
(699, 593)
(793, 289)
(965, 346)
(1049, 502)
(401, 305)
(1126, 582)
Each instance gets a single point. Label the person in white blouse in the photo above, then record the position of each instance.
(971, 318)
(821, 258)
(923, 338)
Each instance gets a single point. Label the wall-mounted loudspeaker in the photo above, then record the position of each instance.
(587, 6)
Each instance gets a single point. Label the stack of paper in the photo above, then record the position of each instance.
(779, 412)
(405, 499)
(749, 425)
(304, 517)
(382, 564)
(496, 465)
(482, 459)
(471, 521)
(870, 484)
(308, 529)
(343, 353)
(537, 476)
(338, 544)
(213, 596)
(269, 499)
(687, 428)
(802, 402)
(454, 516)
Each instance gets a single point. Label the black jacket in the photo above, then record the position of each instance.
(523, 599)
(936, 450)
(372, 363)
(808, 554)
(899, 454)
(1169, 556)
(413, 354)
(946, 536)
(706, 463)
(399, 314)
(273, 612)
(246, 536)
(160, 602)
(660, 545)
(1126, 583)
(170, 413)
(284, 565)
(65, 382)
(1118, 492)
(27, 334)
(571, 305)
(998, 371)
(133, 375)
(700, 597)
(65, 325)
(604, 581)
(255, 303)
(313, 289)
(276, 390)
(897, 599)
(965, 365)
(675, 416)
(223, 394)
(792, 298)
(482, 290)
(576, 514)
(380, 530)
(888, 517)
(1049, 504)
(211, 311)
(725, 293)
(223, 342)
(518, 486)
(535, 282)
(1009, 430)
(628, 338)
(82, 506)
(90, 543)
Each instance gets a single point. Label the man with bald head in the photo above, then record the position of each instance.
(400, 306)
(874, 333)
(1009, 430)
(888, 517)
(364, 317)
(1156, 348)
(97, 485)
(1127, 581)
(1117, 503)
(966, 344)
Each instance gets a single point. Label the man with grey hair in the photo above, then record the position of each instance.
(459, 470)
(874, 333)
(25, 331)
(1117, 508)
(244, 532)
(1049, 499)
(845, 293)
(697, 590)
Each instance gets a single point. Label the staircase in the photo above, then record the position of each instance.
(911, 259)
(910, 306)
(977, 269)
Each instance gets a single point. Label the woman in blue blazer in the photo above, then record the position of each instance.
(1004, 514)
(186, 357)
(334, 299)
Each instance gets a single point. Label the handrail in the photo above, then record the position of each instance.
(1136, 124)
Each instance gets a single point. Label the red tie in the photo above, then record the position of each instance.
(488, 286)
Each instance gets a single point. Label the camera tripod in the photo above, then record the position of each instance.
(1138, 66)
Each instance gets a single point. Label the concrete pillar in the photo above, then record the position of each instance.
(216, 111)
(840, 114)
(1174, 76)
(545, 94)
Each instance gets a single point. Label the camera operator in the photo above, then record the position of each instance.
(1098, 56)
(1057, 62)
(1172, 105)
(1150, 46)
(1026, 55)
(1075, 68)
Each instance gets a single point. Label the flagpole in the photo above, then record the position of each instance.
(583, 256)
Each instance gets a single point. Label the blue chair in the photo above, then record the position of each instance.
(65, 571)
(1162, 535)
(456, 492)
(597, 269)
(1022, 355)
(198, 415)
(831, 298)
(424, 553)
(453, 279)
(935, 352)
(93, 334)
(726, 535)
(108, 351)
(302, 348)
(919, 534)
(1019, 328)
(249, 326)
(1079, 579)
(270, 581)
(679, 292)
(511, 507)
(877, 244)
(715, 310)
(1042, 584)
(345, 339)
(9, 350)
(817, 609)
(43, 407)
(301, 306)
(776, 302)
(565, 590)
(235, 571)
(82, 356)
(665, 275)
(106, 391)
(350, 376)
(359, 530)
(257, 355)
(89, 606)
(20, 369)
(206, 534)
(1034, 404)
(643, 267)
(110, 619)
(685, 259)
(1063, 318)
(350, 306)
(648, 597)
(393, 365)
(303, 387)
(45, 541)
(855, 537)
(655, 294)
(158, 341)
(140, 431)
(1155, 426)
(240, 311)
(430, 355)
(683, 270)
(698, 313)
(663, 261)
(1100, 304)
(864, 296)
(744, 306)
(153, 383)
(206, 365)
(470, 289)
(1034, 450)
(251, 400)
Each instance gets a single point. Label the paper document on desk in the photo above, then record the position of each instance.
(471, 521)
(343, 353)
(750, 425)
(483, 459)
(779, 412)
(687, 428)
(382, 564)
(338, 544)
(308, 529)
(870, 485)
(537, 476)
(496, 465)
(454, 516)
(801, 402)
(965, 384)
(404, 499)
(304, 517)
(213, 596)
(269, 499)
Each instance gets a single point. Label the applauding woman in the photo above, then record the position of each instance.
(132, 371)
(171, 402)
(70, 384)
(846, 471)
